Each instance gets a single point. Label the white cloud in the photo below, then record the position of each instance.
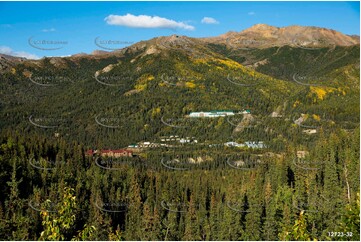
(145, 21)
(209, 20)
(49, 30)
(251, 13)
(8, 51)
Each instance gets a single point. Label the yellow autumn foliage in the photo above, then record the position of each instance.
(155, 112)
(231, 64)
(190, 85)
(342, 91)
(145, 78)
(295, 104)
(201, 61)
(321, 92)
(143, 81)
(183, 72)
(316, 117)
(162, 84)
(140, 87)
(305, 115)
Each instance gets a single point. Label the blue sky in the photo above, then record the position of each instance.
(86, 26)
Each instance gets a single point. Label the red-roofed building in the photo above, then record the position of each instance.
(90, 152)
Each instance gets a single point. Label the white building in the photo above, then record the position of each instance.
(184, 141)
(255, 145)
(233, 144)
(245, 111)
(211, 114)
(310, 131)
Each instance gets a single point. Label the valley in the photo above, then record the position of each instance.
(243, 136)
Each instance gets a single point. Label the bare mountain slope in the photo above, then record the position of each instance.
(264, 36)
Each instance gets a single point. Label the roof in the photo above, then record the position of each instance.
(89, 152)
(214, 111)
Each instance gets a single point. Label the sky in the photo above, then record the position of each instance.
(37, 29)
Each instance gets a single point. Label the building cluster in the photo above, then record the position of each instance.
(248, 144)
(110, 153)
(147, 144)
(132, 147)
(176, 138)
(167, 141)
(217, 113)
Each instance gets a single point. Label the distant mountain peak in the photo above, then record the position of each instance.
(265, 36)
(99, 52)
(261, 27)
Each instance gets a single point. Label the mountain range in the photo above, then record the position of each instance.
(246, 136)
(288, 72)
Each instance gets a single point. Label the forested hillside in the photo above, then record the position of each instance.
(285, 169)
